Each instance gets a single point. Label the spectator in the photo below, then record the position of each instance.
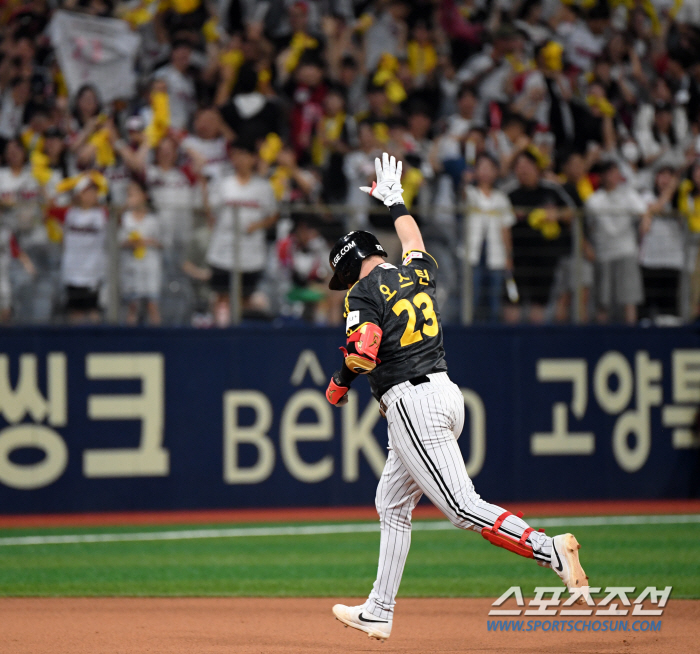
(172, 189)
(490, 220)
(55, 152)
(9, 249)
(248, 200)
(421, 55)
(301, 40)
(418, 141)
(141, 270)
(290, 182)
(352, 81)
(306, 90)
(303, 257)
(249, 113)
(541, 235)
(83, 264)
(662, 142)
(387, 34)
(662, 254)
(180, 84)
(20, 197)
(133, 152)
(12, 108)
(359, 171)
(87, 115)
(530, 22)
(284, 75)
(613, 213)
(208, 145)
(458, 125)
(629, 158)
(379, 111)
(573, 272)
(587, 39)
(335, 134)
(489, 70)
(687, 203)
(507, 143)
(546, 95)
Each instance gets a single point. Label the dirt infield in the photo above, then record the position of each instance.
(341, 513)
(254, 626)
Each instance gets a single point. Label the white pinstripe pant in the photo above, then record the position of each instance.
(425, 422)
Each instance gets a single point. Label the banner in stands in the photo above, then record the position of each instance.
(117, 419)
(97, 51)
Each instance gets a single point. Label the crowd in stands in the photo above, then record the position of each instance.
(151, 147)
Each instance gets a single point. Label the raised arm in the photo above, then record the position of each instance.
(388, 189)
(409, 234)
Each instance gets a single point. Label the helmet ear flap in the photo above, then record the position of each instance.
(350, 272)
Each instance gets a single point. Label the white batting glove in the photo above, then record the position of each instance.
(387, 188)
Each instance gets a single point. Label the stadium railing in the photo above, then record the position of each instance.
(38, 300)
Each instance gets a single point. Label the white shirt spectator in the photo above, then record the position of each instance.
(173, 198)
(10, 116)
(255, 201)
(583, 47)
(23, 193)
(662, 246)
(492, 75)
(358, 167)
(488, 215)
(536, 84)
(215, 156)
(212, 151)
(449, 146)
(18, 188)
(84, 232)
(612, 216)
(141, 270)
(650, 146)
(383, 37)
(118, 177)
(181, 93)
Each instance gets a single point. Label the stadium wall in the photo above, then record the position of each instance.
(98, 419)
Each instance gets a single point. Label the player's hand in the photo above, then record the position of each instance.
(387, 188)
(335, 393)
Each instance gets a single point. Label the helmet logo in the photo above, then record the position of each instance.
(345, 250)
(379, 247)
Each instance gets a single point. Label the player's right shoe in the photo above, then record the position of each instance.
(566, 564)
(359, 618)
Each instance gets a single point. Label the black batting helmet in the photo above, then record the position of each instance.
(347, 255)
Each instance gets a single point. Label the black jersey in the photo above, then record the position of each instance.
(402, 302)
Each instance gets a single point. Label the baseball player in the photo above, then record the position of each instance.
(394, 336)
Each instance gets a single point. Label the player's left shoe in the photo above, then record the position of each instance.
(358, 617)
(566, 564)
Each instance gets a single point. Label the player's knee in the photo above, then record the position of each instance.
(456, 520)
(395, 517)
(396, 521)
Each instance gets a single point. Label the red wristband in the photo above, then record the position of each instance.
(334, 392)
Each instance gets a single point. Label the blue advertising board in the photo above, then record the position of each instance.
(95, 419)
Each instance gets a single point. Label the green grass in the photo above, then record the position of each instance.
(440, 564)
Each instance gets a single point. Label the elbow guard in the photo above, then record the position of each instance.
(363, 347)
